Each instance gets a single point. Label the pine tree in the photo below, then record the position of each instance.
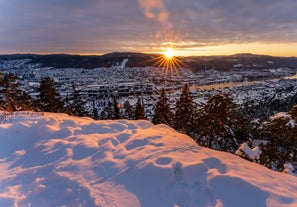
(2, 96)
(107, 112)
(244, 129)
(111, 111)
(94, 111)
(293, 112)
(128, 113)
(77, 104)
(9, 91)
(49, 100)
(215, 122)
(281, 135)
(185, 112)
(116, 109)
(12, 97)
(162, 114)
(139, 110)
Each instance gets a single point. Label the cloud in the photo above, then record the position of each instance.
(236, 20)
(154, 9)
(107, 26)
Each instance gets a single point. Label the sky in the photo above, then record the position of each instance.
(189, 27)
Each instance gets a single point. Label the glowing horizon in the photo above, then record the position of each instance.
(272, 49)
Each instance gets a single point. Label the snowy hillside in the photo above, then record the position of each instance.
(58, 160)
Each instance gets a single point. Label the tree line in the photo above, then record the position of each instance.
(13, 97)
(221, 124)
(218, 124)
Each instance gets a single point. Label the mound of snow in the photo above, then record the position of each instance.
(58, 160)
(253, 154)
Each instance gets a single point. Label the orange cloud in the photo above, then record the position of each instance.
(154, 9)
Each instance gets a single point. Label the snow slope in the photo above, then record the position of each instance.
(58, 160)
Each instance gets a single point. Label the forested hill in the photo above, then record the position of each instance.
(240, 61)
(88, 61)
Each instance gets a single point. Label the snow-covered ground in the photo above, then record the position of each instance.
(58, 160)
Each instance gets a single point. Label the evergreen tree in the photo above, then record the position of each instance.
(25, 101)
(185, 112)
(12, 97)
(139, 110)
(2, 96)
(107, 112)
(116, 109)
(77, 104)
(162, 114)
(293, 112)
(49, 100)
(8, 91)
(281, 135)
(128, 113)
(243, 127)
(215, 122)
(94, 111)
(111, 111)
(256, 131)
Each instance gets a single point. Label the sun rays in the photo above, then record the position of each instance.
(169, 69)
(169, 53)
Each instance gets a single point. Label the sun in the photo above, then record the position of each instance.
(169, 53)
(169, 69)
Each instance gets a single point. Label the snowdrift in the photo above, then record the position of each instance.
(58, 160)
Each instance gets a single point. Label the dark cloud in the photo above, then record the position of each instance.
(237, 20)
(137, 25)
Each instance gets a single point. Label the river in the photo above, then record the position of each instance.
(236, 84)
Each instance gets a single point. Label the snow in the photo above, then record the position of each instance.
(258, 142)
(238, 65)
(291, 123)
(289, 168)
(279, 115)
(284, 115)
(253, 154)
(124, 62)
(58, 160)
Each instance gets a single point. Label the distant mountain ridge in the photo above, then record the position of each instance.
(245, 60)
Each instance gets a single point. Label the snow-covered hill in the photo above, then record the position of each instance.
(58, 160)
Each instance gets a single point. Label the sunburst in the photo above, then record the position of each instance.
(169, 53)
(169, 67)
